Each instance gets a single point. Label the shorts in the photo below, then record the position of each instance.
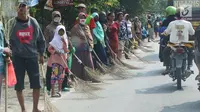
(58, 72)
(31, 66)
(121, 45)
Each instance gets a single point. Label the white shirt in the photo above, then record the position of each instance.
(129, 27)
(179, 31)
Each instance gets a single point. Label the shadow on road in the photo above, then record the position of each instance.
(162, 89)
(150, 73)
(185, 107)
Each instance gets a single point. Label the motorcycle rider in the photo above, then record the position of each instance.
(170, 12)
(179, 31)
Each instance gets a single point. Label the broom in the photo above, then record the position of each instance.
(144, 61)
(121, 70)
(142, 48)
(91, 72)
(81, 85)
(101, 65)
(48, 106)
(123, 63)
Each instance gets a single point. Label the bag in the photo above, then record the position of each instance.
(12, 80)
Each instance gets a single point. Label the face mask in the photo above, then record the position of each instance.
(82, 21)
(57, 19)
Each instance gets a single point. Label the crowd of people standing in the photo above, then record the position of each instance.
(93, 38)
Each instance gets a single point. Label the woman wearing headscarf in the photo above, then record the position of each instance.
(138, 29)
(103, 22)
(99, 43)
(82, 40)
(58, 48)
(112, 32)
(128, 43)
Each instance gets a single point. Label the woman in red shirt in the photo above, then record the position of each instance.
(113, 31)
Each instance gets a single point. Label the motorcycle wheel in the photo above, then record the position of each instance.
(178, 77)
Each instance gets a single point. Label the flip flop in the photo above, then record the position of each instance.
(57, 95)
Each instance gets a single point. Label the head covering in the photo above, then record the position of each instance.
(98, 30)
(81, 14)
(126, 15)
(23, 3)
(170, 10)
(95, 14)
(102, 17)
(57, 42)
(54, 13)
(81, 5)
(94, 9)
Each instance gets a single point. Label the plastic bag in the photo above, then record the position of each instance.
(12, 80)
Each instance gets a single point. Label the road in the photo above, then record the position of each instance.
(146, 91)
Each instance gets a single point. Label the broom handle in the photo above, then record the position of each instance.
(6, 88)
(43, 78)
(91, 47)
(79, 59)
(133, 53)
(117, 56)
(97, 56)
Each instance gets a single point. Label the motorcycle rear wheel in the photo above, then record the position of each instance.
(178, 77)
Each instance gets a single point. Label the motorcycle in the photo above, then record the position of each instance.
(179, 60)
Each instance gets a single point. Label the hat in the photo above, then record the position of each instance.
(23, 3)
(55, 13)
(82, 5)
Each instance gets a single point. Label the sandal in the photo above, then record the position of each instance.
(57, 95)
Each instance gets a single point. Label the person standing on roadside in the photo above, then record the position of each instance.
(123, 34)
(3, 51)
(26, 40)
(130, 35)
(150, 28)
(49, 34)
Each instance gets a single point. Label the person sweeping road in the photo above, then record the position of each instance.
(58, 49)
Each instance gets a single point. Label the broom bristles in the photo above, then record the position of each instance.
(103, 68)
(49, 107)
(83, 86)
(94, 74)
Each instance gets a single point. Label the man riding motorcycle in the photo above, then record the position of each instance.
(170, 12)
(179, 31)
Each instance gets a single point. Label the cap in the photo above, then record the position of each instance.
(82, 5)
(23, 3)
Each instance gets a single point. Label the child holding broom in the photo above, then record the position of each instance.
(58, 49)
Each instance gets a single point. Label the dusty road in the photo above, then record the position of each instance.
(146, 91)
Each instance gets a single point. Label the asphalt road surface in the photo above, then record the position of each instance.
(146, 91)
